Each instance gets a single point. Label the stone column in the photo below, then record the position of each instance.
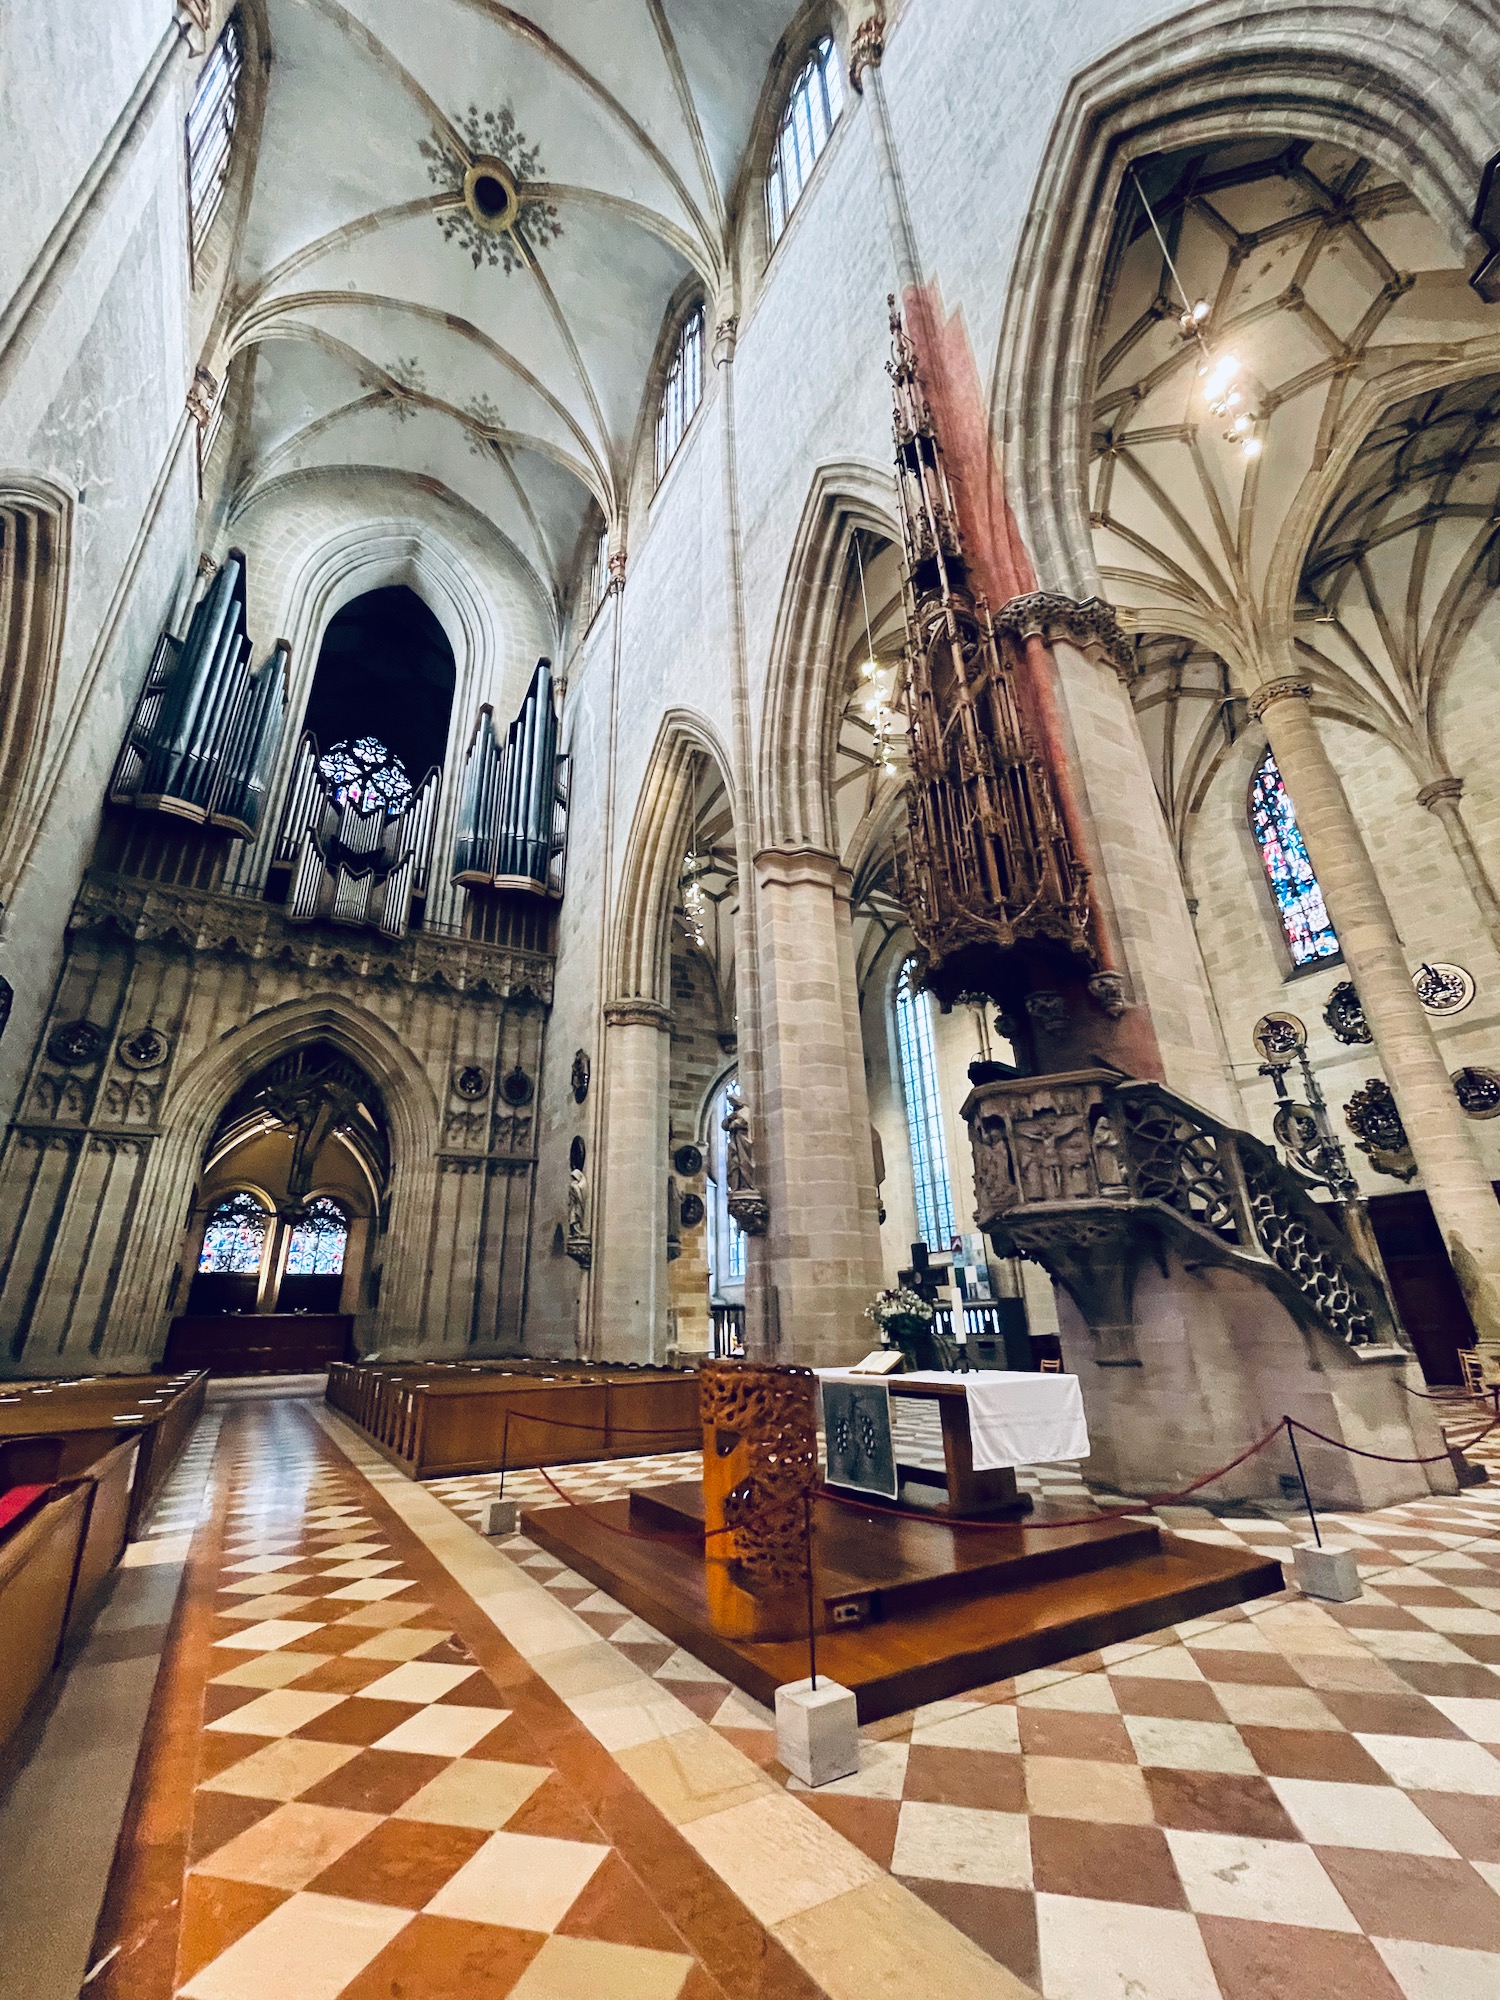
(630, 1191)
(814, 1158)
(1441, 799)
(1442, 1142)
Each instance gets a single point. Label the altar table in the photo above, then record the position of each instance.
(992, 1421)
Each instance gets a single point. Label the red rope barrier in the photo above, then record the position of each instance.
(1381, 1457)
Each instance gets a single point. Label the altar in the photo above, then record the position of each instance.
(986, 1425)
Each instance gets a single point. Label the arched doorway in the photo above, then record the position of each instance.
(280, 1248)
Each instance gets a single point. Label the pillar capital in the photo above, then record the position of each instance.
(1286, 687)
(1441, 791)
(616, 568)
(1090, 624)
(791, 867)
(866, 46)
(640, 1013)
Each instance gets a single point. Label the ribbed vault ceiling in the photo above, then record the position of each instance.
(385, 328)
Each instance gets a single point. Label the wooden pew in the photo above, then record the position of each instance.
(92, 1415)
(434, 1421)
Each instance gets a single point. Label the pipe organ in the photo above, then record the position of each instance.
(356, 834)
(206, 727)
(510, 818)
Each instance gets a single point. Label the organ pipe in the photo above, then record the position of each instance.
(509, 806)
(206, 725)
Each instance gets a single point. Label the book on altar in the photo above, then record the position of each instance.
(883, 1361)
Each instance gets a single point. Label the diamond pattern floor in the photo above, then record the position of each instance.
(1285, 1798)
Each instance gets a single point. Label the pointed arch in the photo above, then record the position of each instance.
(641, 954)
(799, 727)
(1344, 71)
(35, 541)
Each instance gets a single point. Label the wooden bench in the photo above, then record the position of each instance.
(478, 1417)
(93, 1414)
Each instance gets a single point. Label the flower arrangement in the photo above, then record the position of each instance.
(902, 1315)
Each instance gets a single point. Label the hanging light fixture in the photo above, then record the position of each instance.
(1224, 388)
(879, 680)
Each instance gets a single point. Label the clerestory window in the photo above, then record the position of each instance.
(210, 131)
(683, 391)
(1305, 924)
(812, 109)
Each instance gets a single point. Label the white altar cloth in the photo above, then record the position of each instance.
(1014, 1418)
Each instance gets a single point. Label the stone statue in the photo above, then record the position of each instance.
(578, 1203)
(739, 1151)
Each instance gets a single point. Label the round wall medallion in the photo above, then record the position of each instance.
(1346, 1017)
(582, 1071)
(1279, 1035)
(516, 1088)
(688, 1161)
(691, 1210)
(577, 1154)
(490, 194)
(1478, 1090)
(146, 1049)
(1443, 989)
(75, 1044)
(470, 1080)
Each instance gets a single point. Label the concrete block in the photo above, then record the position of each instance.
(817, 1731)
(1326, 1572)
(502, 1517)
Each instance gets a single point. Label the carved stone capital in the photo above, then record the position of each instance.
(1107, 991)
(790, 867)
(1286, 687)
(637, 1014)
(1440, 792)
(616, 567)
(866, 47)
(726, 332)
(202, 394)
(581, 1249)
(1092, 625)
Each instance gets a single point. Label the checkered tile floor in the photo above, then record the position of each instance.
(371, 1818)
(1285, 1799)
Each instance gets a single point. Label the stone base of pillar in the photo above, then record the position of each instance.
(1217, 1361)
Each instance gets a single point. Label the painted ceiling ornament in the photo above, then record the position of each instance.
(400, 387)
(1346, 1017)
(489, 174)
(1373, 1118)
(1443, 989)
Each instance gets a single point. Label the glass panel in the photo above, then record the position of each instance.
(683, 391)
(210, 132)
(812, 109)
(317, 1246)
(1299, 901)
(235, 1239)
(924, 1116)
(367, 776)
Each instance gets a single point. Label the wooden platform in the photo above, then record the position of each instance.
(912, 1611)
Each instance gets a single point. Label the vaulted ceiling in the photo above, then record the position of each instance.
(385, 321)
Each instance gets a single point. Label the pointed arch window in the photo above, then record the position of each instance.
(812, 109)
(1310, 936)
(210, 131)
(234, 1243)
(683, 391)
(319, 1238)
(924, 1112)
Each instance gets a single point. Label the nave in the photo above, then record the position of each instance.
(411, 1762)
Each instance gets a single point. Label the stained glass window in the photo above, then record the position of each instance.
(210, 131)
(924, 1114)
(683, 392)
(317, 1246)
(235, 1239)
(812, 109)
(1299, 901)
(367, 776)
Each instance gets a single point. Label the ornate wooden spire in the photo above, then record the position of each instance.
(996, 897)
